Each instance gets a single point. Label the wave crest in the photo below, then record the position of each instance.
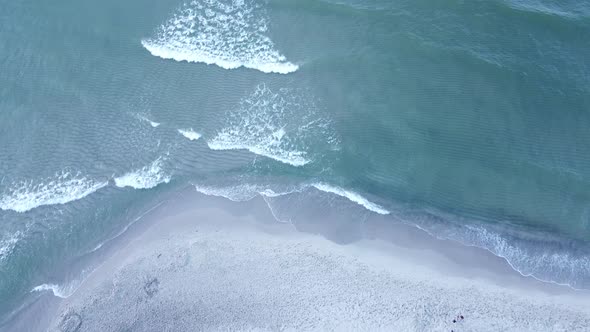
(351, 196)
(190, 134)
(245, 192)
(145, 119)
(64, 188)
(276, 125)
(144, 178)
(229, 34)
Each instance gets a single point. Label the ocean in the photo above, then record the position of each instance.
(467, 119)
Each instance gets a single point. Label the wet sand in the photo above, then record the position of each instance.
(200, 263)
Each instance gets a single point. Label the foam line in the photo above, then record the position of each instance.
(351, 196)
(228, 34)
(64, 188)
(144, 178)
(190, 134)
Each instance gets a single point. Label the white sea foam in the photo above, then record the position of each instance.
(65, 187)
(58, 290)
(351, 196)
(239, 193)
(245, 192)
(274, 125)
(542, 260)
(144, 178)
(227, 33)
(8, 244)
(225, 141)
(546, 263)
(145, 119)
(190, 134)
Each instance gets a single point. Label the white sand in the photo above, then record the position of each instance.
(204, 268)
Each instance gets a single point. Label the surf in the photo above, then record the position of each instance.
(276, 124)
(538, 255)
(144, 178)
(65, 187)
(190, 134)
(228, 34)
(351, 196)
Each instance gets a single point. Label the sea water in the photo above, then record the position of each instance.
(468, 119)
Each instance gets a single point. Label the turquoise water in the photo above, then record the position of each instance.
(468, 119)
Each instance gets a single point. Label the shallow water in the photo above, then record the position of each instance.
(468, 119)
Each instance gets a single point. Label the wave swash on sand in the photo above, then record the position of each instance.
(57, 290)
(229, 34)
(542, 259)
(245, 192)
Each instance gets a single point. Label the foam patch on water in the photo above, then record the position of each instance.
(65, 187)
(276, 125)
(8, 244)
(190, 134)
(145, 119)
(226, 33)
(144, 178)
(351, 196)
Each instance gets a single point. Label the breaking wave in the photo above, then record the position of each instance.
(247, 191)
(274, 125)
(65, 187)
(145, 119)
(351, 196)
(540, 256)
(190, 134)
(144, 178)
(229, 34)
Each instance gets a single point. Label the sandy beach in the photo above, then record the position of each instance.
(201, 263)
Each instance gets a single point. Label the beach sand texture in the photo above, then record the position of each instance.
(225, 266)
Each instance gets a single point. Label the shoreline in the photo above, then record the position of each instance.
(431, 272)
